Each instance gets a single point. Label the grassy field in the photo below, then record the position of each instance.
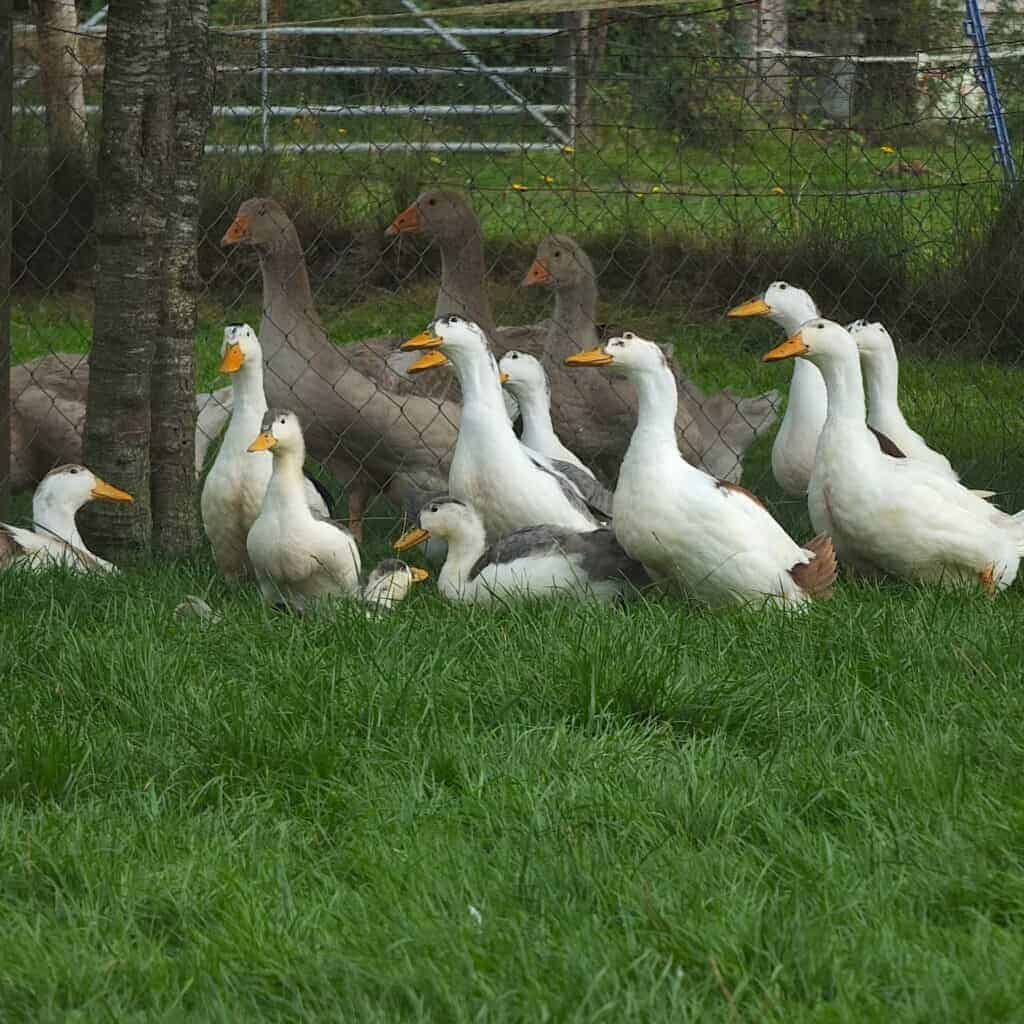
(541, 813)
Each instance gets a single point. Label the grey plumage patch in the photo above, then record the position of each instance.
(599, 554)
(388, 565)
(595, 494)
(272, 414)
(571, 492)
(66, 468)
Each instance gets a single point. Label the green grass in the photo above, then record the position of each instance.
(659, 814)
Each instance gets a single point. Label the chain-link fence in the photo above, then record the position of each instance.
(646, 169)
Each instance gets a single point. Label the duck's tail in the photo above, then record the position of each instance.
(815, 578)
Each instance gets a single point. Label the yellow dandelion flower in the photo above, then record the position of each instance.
(888, 150)
(343, 131)
(436, 160)
(548, 180)
(657, 188)
(777, 191)
(517, 187)
(639, 195)
(568, 149)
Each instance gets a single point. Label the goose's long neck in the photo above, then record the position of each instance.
(287, 296)
(845, 387)
(535, 408)
(465, 546)
(55, 518)
(287, 488)
(573, 322)
(462, 280)
(881, 379)
(657, 399)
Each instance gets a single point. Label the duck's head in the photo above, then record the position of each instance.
(818, 340)
(444, 518)
(523, 374)
(280, 431)
(626, 353)
(239, 348)
(438, 213)
(261, 222)
(783, 302)
(391, 581)
(560, 262)
(446, 336)
(871, 338)
(73, 485)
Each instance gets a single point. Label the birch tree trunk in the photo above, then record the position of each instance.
(6, 227)
(134, 147)
(63, 83)
(176, 528)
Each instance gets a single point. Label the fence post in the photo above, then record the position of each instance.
(6, 248)
(264, 77)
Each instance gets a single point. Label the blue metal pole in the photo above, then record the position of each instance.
(974, 29)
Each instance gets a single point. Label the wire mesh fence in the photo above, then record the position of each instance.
(558, 180)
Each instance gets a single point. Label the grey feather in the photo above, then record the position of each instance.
(595, 494)
(573, 494)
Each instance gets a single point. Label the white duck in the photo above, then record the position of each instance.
(508, 485)
(295, 554)
(793, 450)
(234, 488)
(389, 584)
(534, 562)
(54, 539)
(894, 515)
(881, 372)
(525, 377)
(712, 539)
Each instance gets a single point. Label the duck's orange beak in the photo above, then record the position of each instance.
(537, 274)
(407, 222)
(263, 443)
(105, 492)
(410, 539)
(425, 339)
(233, 359)
(595, 357)
(238, 232)
(787, 350)
(428, 361)
(754, 307)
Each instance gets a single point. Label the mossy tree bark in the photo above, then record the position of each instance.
(6, 227)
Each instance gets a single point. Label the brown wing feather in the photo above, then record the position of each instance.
(724, 485)
(816, 578)
(887, 444)
(9, 547)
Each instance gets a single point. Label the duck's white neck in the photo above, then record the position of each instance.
(56, 518)
(845, 386)
(882, 379)
(248, 396)
(535, 408)
(481, 388)
(657, 400)
(791, 318)
(465, 546)
(287, 488)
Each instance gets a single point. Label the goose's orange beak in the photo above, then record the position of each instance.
(425, 339)
(429, 361)
(407, 222)
(595, 357)
(787, 350)
(105, 492)
(755, 307)
(263, 443)
(233, 359)
(410, 539)
(238, 232)
(537, 274)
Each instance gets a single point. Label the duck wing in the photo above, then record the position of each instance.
(583, 492)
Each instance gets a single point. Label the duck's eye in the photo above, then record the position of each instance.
(431, 202)
(515, 355)
(558, 255)
(74, 472)
(821, 327)
(281, 420)
(783, 287)
(628, 336)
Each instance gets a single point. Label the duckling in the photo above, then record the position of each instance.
(295, 554)
(538, 561)
(233, 492)
(712, 539)
(389, 584)
(894, 515)
(54, 539)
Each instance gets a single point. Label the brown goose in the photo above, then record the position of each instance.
(368, 437)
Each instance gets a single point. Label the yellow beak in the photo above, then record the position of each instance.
(595, 357)
(409, 540)
(503, 378)
(426, 339)
(107, 493)
(790, 347)
(428, 361)
(418, 574)
(233, 359)
(263, 443)
(755, 307)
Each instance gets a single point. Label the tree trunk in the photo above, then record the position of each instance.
(63, 83)
(773, 34)
(134, 148)
(884, 93)
(172, 450)
(6, 227)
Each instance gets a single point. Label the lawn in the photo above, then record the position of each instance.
(539, 813)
